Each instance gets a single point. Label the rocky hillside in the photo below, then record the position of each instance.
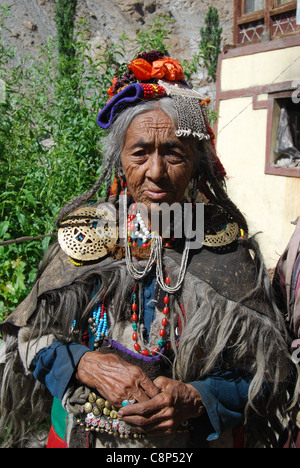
(32, 21)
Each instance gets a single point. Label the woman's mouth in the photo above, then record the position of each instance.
(156, 194)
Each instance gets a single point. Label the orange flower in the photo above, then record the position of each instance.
(141, 69)
(166, 68)
(111, 89)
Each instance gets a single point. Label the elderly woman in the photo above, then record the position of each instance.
(142, 340)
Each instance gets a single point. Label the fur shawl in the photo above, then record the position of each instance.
(225, 308)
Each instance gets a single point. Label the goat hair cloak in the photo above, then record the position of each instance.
(228, 321)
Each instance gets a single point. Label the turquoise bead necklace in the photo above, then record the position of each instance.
(99, 324)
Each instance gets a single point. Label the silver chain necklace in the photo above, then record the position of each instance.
(155, 256)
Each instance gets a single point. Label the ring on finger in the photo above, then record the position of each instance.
(128, 402)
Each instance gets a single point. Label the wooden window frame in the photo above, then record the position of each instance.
(272, 123)
(276, 9)
(271, 92)
(271, 9)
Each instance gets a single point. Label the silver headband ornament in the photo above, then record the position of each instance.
(191, 110)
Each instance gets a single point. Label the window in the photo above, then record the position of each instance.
(253, 5)
(281, 2)
(257, 20)
(286, 151)
(283, 133)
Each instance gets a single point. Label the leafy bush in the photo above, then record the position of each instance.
(65, 11)
(211, 41)
(155, 35)
(50, 149)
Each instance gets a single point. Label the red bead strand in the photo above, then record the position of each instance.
(164, 322)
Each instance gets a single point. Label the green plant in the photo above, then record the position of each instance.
(154, 37)
(50, 149)
(65, 11)
(191, 67)
(210, 42)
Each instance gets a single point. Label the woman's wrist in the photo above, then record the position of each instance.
(197, 407)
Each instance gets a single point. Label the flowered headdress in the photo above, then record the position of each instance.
(153, 76)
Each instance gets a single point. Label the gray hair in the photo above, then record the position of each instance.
(204, 174)
(115, 141)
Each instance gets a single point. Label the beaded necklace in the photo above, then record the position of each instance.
(164, 322)
(137, 231)
(154, 258)
(99, 324)
(136, 228)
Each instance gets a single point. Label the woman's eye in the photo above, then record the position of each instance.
(171, 155)
(175, 156)
(141, 152)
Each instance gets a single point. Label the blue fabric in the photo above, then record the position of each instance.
(148, 303)
(131, 94)
(54, 366)
(224, 395)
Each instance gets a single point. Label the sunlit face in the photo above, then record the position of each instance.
(158, 165)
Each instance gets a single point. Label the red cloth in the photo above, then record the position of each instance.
(293, 440)
(54, 441)
(238, 437)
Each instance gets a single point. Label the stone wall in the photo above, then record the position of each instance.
(32, 22)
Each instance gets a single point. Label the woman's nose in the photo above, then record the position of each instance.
(157, 169)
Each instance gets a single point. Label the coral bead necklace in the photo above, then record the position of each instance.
(134, 318)
(137, 234)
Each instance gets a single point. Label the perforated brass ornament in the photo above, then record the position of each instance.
(88, 232)
(222, 237)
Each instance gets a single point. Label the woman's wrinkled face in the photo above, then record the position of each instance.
(158, 165)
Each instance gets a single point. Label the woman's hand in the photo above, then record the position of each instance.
(163, 414)
(115, 379)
